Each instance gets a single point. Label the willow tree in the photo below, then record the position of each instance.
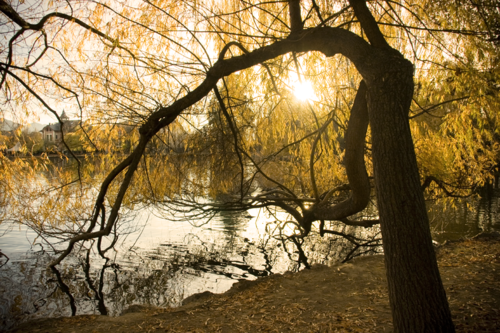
(160, 66)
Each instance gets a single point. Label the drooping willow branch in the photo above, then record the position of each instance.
(356, 172)
(41, 100)
(131, 162)
(338, 41)
(311, 159)
(234, 132)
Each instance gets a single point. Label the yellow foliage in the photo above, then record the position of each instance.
(115, 63)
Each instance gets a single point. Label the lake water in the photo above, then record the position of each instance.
(160, 262)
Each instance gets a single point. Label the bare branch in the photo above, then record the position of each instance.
(369, 24)
(295, 16)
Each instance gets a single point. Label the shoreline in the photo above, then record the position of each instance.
(350, 297)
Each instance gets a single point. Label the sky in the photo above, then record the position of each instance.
(24, 111)
(34, 112)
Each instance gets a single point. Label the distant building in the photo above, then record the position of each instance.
(52, 132)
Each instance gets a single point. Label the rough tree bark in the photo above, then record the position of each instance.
(417, 297)
(296, 24)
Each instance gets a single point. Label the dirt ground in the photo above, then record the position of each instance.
(350, 297)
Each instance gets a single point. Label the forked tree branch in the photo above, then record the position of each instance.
(329, 41)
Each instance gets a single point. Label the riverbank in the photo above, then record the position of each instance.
(350, 297)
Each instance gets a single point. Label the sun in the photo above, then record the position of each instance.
(303, 90)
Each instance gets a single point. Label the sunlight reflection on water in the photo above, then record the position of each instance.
(161, 262)
(158, 263)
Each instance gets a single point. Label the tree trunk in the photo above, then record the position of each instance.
(417, 297)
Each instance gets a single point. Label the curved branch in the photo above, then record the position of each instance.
(134, 160)
(337, 41)
(356, 173)
(104, 189)
(39, 98)
(354, 163)
(360, 223)
(228, 46)
(13, 15)
(329, 41)
(25, 26)
(290, 210)
(46, 47)
(442, 185)
(430, 108)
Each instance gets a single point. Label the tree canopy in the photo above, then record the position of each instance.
(308, 106)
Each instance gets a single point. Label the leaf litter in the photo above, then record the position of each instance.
(345, 298)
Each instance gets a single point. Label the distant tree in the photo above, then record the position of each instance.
(75, 142)
(32, 142)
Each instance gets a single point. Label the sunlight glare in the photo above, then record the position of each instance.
(303, 90)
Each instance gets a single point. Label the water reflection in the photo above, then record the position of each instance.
(166, 264)
(465, 217)
(161, 263)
